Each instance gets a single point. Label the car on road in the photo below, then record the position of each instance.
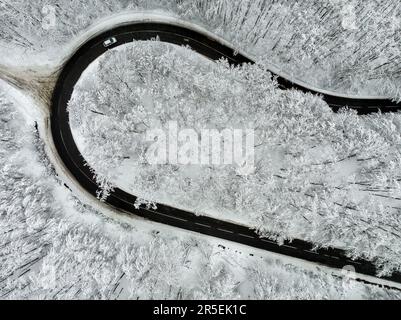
(110, 42)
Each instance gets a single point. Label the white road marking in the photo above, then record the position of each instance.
(203, 225)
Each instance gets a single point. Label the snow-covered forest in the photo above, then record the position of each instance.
(54, 247)
(332, 179)
(348, 46)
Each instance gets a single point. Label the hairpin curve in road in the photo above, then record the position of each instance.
(212, 49)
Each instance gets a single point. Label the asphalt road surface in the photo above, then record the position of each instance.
(73, 160)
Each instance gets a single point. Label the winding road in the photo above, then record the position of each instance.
(204, 45)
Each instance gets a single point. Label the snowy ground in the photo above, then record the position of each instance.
(331, 179)
(54, 247)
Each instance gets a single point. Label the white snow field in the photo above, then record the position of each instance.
(332, 179)
(54, 247)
